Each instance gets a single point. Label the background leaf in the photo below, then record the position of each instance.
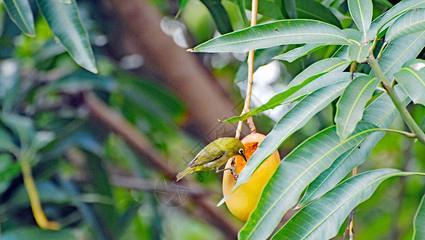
(36, 233)
(307, 9)
(419, 221)
(64, 20)
(219, 15)
(20, 12)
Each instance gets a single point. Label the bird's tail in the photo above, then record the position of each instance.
(183, 173)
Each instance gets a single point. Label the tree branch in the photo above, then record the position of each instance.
(191, 81)
(141, 145)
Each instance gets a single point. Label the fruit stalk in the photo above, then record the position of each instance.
(251, 56)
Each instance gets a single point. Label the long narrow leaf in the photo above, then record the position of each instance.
(361, 12)
(308, 9)
(298, 169)
(322, 218)
(400, 51)
(298, 52)
(412, 79)
(283, 32)
(20, 12)
(64, 20)
(296, 92)
(295, 119)
(219, 14)
(385, 20)
(323, 66)
(381, 112)
(351, 104)
(411, 22)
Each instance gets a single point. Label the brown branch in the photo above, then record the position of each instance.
(191, 81)
(141, 146)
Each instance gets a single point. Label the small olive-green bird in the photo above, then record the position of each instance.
(214, 155)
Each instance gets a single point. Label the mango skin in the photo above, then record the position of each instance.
(244, 199)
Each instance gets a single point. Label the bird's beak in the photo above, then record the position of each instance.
(243, 155)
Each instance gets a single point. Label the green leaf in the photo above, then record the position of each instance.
(296, 92)
(357, 53)
(182, 4)
(283, 32)
(381, 112)
(21, 14)
(292, 121)
(361, 11)
(386, 19)
(6, 142)
(419, 221)
(401, 50)
(298, 52)
(22, 126)
(411, 22)
(9, 169)
(296, 171)
(323, 217)
(290, 6)
(320, 67)
(64, 20)
(37, 233)
(77, 82)
(219, 15)
(351, 104)
(268, 8)
(307, 9)
(412, 79)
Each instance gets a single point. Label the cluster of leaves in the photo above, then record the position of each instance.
(310, 176)
(44, 123)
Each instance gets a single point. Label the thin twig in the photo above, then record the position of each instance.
(251, 56)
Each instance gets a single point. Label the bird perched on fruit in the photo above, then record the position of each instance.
(214, 155)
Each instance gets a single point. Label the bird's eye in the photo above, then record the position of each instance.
(241, 151)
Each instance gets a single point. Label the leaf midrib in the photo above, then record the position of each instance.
(403, 53)
(356, 102)
(350, 196)
(307, 170)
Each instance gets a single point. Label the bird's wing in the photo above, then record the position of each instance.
(204, 156)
